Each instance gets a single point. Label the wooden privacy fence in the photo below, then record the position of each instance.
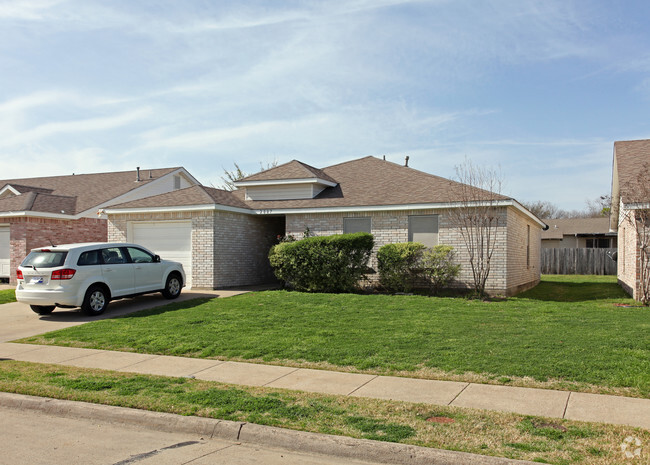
(578, 261)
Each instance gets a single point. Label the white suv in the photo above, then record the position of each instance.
(89, 275)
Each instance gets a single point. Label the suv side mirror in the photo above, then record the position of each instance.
(156, 258)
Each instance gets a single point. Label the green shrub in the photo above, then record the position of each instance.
(438, 266)
(407, 265)
(323, 263)
(398, 265)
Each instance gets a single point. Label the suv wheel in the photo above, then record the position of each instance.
(95, 301)
(172, 286)
(42, 309)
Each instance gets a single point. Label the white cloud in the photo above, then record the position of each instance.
(50, 129)
(26, 9)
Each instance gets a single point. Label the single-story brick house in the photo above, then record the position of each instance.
(35, 212)
(630, 202)
(226, 235)
(578, 233)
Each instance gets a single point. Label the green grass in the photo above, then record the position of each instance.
(483, 432)
(7, 295)
(566, 333)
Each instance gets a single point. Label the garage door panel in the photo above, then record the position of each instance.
(170, 240)
(4, 252)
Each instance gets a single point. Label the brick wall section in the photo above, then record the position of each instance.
(28, 233)
(522, 274)
(241, 245)
(228, 249)
(202, 238)
(628, 255)
(508, 266)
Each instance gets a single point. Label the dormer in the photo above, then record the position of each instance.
(291, 181)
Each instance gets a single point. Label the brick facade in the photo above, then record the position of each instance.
(28, 233)
(628, 271)
(228, 249)
(242, 244)
(510, 273)
(231, 249)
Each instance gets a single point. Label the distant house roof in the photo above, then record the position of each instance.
(71, 194)
(575, 227)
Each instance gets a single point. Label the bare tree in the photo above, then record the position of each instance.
(595, 208)
(543, 209)
(636, 214)
(477, 217)
(230, 177)
(600, 206)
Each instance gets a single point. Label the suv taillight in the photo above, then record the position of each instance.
(19, 274)
(66, 273)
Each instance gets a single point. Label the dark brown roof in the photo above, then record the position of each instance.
(572, 226)
(85, 190)
(370, 181)
(293, 170)
(633, 165)
(195, 195)
(22, 189)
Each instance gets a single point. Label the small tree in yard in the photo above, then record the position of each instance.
(230, 177)
(438, 267)
(637, 215)
(477, 217)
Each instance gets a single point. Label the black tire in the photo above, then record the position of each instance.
(173, 286)
(42, 309)
(96, 301)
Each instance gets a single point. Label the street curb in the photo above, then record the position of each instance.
(297, 441)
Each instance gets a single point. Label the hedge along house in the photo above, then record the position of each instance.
(230, 232)
(37, 212)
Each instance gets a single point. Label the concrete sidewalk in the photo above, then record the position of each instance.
(527, 401)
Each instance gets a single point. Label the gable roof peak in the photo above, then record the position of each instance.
(291, 170)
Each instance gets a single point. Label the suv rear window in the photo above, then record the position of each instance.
(89, 258)
(45, 259)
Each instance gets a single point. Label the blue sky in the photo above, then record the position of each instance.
(540, 89)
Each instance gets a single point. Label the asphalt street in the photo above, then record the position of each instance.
(34, 438)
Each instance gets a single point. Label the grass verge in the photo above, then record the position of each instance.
(488, 433)
(567, 333)
(7, 295)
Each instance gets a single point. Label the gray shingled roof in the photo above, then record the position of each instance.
(366, 181)
(293, 170)
(195, 195)
(370, 181)
(73, 193)
(633, 160)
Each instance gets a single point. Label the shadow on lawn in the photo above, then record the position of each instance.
(574, 292)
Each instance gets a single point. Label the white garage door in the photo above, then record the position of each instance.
(172, 240)
(4, 251)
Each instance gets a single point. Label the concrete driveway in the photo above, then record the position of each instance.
(17, 320)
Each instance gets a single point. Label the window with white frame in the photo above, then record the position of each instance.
(354, 225)
(424, 229)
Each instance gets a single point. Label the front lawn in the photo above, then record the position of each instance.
(568, 333)
(554, 441)
(7, 295)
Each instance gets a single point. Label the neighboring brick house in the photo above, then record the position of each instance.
(630, 210)
(572, 233)
(38, 212)
(228, 234)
